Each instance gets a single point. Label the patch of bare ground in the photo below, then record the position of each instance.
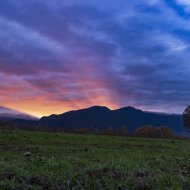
(141, 180)
(132, 145)
(182, 166)
(25, 183)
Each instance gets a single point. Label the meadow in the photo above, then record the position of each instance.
(58, 161)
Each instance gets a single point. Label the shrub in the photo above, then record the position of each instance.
(154, 132)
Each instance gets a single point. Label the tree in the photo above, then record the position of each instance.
(123, 131)
(186, 118)
(154, 132)
(110, 131)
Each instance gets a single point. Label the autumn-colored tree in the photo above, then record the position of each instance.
(154, 132)
(186, 118)
(123, 131)
(110, 131)
(82, 130)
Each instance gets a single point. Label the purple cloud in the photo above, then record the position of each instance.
(60, 55)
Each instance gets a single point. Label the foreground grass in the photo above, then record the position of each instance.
(68, 161)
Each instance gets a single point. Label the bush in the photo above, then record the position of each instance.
(154, 132)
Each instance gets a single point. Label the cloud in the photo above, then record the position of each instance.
(184, 3)
(61, 55)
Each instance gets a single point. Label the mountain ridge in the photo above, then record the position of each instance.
(16, 115)
(101, 117)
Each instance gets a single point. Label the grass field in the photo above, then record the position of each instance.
(68, 161)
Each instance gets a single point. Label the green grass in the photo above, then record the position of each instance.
(69, 161)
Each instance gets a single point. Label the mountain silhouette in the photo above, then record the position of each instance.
(7, 114)
(102, 118)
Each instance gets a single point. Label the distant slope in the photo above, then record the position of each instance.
(7, 114)
(25, 122)
(102, 118)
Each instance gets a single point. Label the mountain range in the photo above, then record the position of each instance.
(7, 114)
(101, 118)
(98, 117)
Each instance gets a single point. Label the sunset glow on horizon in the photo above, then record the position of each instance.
(62, 55)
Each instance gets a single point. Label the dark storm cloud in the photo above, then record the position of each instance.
(84, 53)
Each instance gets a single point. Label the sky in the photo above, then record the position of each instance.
(60, 55)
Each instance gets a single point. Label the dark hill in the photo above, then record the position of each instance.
(98, 117)
(12, 116)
